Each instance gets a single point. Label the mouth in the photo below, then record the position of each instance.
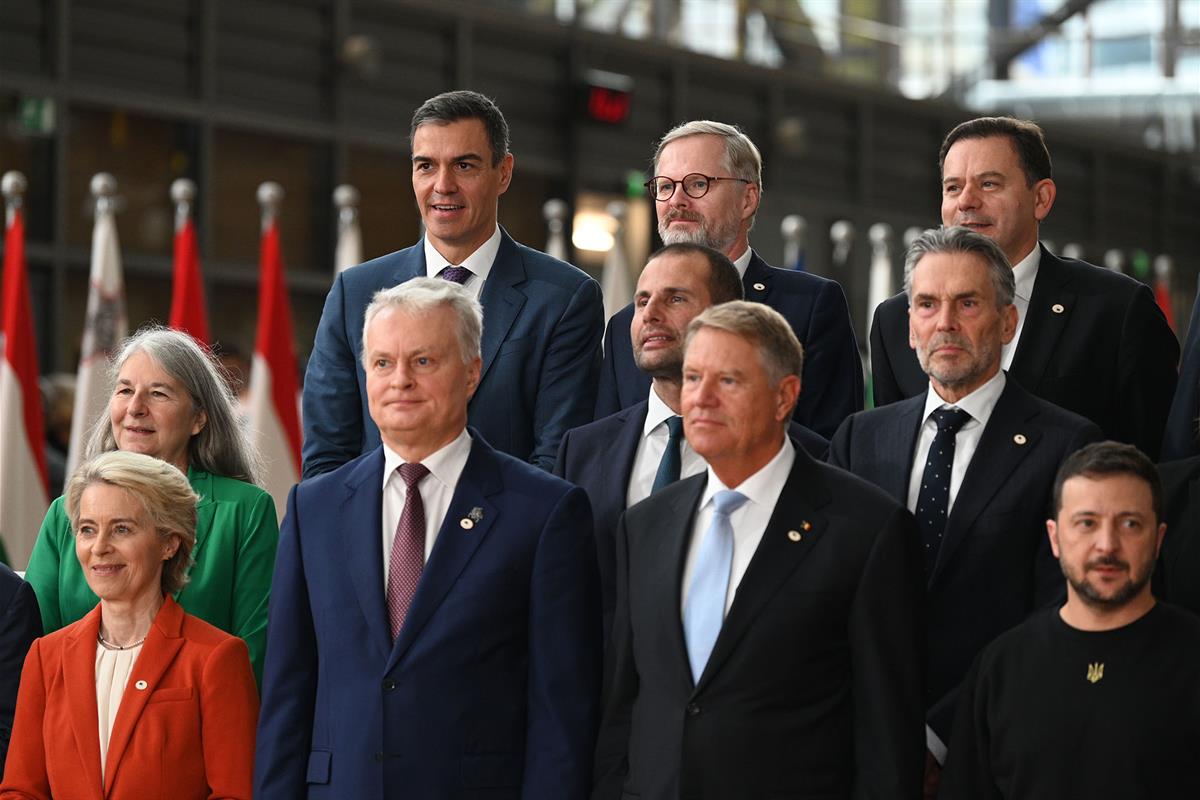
(139, 431)
(1108, 569)
(682, 216)
(655, 340)
(976, 225)
(106, 570)
(446, 208)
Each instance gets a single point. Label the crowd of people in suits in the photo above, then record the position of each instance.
(671, 558)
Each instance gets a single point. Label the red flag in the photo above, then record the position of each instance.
(274, 388)
(188, 312)
(1162, 296)
(24, 492)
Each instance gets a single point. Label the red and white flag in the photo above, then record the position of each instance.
(188, 311)
(24, 495)
(274, 387)
(1162, 287)
(103, 329)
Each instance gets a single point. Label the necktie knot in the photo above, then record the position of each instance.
(455, 274)
(950, 420)
(671, 463)
(674, 429)
(727, 501)
(412, 474)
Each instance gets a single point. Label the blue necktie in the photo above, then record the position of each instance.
(668, 468)
(934, 497)
(704, 611)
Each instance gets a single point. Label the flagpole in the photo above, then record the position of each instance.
(349, 244)
(183, 194)
(13, 187)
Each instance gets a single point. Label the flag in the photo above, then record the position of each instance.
(879, 284)
(188, 312)
(794, 227)
(274, 390)
(616, 284)
(24, 493)
(103, 329)
(555, 211)
(349, 243)
(1162, 288)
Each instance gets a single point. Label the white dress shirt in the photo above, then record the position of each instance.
(479, 262)
(1024, 273)
(437, 488)
(749, 522)
(743, 261)
(650, 449)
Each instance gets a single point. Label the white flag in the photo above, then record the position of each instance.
(615, 281)
(349, 244)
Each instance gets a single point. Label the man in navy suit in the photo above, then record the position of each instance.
(542, 318)
(707, 188)
(1087, 339)
(435, 617)
(20, 624)
(973, 457)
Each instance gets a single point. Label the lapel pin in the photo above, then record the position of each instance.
(140, 685)
(795, 536)
(466, 524)
(760, 287)
(476, 514)
(806, 526)
(1057, 308)
(1020, 438)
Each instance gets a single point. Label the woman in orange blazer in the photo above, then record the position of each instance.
(138, 700)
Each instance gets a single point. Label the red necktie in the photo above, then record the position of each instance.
(408, 548)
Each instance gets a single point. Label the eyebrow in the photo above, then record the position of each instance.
(960, 296)
(127, 382)
(464, 157)
(91, 521)
(991, 173)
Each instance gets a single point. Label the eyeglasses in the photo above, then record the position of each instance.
(695, 186)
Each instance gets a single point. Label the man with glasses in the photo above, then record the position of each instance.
(707, 186)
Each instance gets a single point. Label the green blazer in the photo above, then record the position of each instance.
(230, 580)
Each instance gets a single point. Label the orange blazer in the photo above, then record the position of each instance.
(185, 727)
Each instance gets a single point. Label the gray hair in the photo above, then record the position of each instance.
(742, 157)
(421, 295)
(959, 239)
(450, 107)
(164, 493)
(221, 447)
(778, 348)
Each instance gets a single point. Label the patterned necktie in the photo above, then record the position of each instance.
(668, 468)
(408, 548)
(934, 498)
(704, 611)
(458, 275)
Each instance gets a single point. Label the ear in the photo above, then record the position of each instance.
(1044, 192)
(170, 547)
(506, 172)
(912, 335)
(751, 198)
(1052, 532)
(788, 393)
(1008, 319)
(1162, 530)
(200, 421)
(474, 367)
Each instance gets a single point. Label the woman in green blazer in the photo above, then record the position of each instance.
(169, 401)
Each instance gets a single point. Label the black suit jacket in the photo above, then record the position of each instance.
(20, 624)
(815, 307)
(599, 457)
(1177, 577)
(813, 689)
(1182, 437)
(1107, 354)
(995, 566)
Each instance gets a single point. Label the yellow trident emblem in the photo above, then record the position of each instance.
(1095, 672)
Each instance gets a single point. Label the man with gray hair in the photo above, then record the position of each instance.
(707, 187)
(987, 562)
(435, 617)
(767, 627)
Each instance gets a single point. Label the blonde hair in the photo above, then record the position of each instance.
(773, 338)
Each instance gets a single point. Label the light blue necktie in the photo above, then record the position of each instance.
(705, 608)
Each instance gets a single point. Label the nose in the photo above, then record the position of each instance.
(402, 376)
(445, 181)
(704, 391)
(947, 317)
(1106, 539)
(137, 403)
(968, 196)
(653, 309)
(101, 544)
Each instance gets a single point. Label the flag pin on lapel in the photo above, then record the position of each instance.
(468, 522)
(796, 536)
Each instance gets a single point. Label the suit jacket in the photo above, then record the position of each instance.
(542, 323)
(1182, 436)
(994, 567)
(20, 624)
(490, 690)
(1107, 353)
(185, 727)
(229, 583)
(1177, 576)
(599, 458)
(816, 309)
(813, 689)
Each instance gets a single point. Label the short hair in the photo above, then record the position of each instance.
(449, 107)
(164, 493)
(724, 282)
(1026, 137)
(421, 295)
(742, 158)
(959, 239)
(1106, 459)
(777, 345)
(221, 447)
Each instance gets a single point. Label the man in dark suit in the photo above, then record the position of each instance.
(435, 620)
(1181, 439)
(20, 624)
(1088, 340)
(621, 459)
(973, 457)
(542, 318)
(767, 636)
(707, 190)
(1177, 576)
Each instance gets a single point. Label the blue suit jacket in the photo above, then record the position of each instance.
(815, 307)
(542, 322)
(20, 624)
(492, 687)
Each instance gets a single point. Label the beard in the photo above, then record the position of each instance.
(1093, 597)
(961, 372)
(717, 234)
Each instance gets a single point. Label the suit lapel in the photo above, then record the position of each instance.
(996, 458)
(617, 463)
(776, 557)
(360, 519)
(896, 463)
(205, 510)
(79, 675)
(1043, 324)
(411, 264)
(162, 645)
(667, 548)
(455, 543)
(501, 300)
(757, 280)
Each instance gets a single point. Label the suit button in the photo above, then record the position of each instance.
(693, 709)
(389, 685)
(379, 757)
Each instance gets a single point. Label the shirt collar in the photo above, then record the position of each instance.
(763, 486)
(480, 262)
(743, 261)
(1025, 273)
(978, 404)
(657, 412)
(446, 464)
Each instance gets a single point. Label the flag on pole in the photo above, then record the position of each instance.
(616, 284)
(349, 244)
(274, 390)
(24, 493)
(555, 213)
(1162, 287)
(188, 311)
(105, 325)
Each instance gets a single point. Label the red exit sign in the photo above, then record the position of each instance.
(608, 97)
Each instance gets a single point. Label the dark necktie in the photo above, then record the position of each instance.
(668, 468)
(408, 548)
(934, 497)
(458, 275)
